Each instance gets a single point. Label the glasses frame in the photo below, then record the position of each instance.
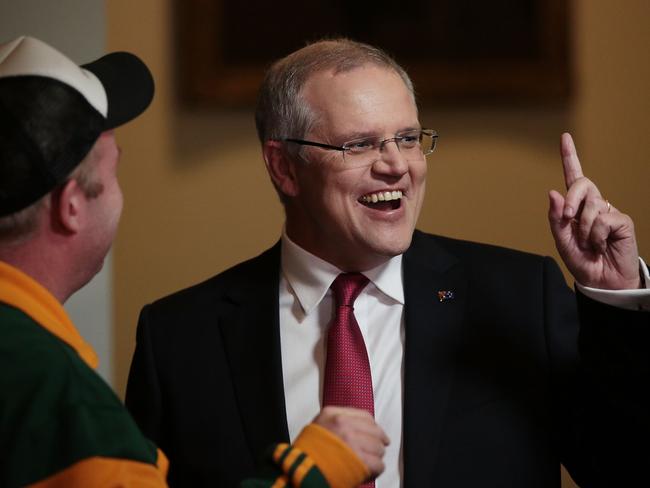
(345, 147)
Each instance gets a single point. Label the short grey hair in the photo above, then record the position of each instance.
(15, 228)
(282, 111)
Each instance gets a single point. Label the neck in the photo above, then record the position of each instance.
(345, 262)
(43, 265)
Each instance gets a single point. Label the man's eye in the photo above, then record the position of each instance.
(410, 139)
(358, 146)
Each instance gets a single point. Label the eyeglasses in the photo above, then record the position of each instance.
(414, 145)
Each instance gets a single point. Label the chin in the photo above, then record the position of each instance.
(392, 247)
(94, 271)
(398, 241)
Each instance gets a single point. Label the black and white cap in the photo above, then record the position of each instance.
(52, 111)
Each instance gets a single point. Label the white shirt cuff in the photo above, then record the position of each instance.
(627, 299)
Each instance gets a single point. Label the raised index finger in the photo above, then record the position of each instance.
(570, 161)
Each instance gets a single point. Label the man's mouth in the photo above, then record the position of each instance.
(382, 200)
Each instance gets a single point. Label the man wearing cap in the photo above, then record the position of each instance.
(466, 354)
(60, 203)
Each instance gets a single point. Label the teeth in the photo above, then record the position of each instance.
(382, 196)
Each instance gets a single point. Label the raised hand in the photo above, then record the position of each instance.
(595, 240)
(358, 430)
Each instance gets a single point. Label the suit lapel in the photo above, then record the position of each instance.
(432, 334)
(250, 331)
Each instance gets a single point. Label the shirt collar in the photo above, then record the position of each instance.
(310, 277)
(20, 291)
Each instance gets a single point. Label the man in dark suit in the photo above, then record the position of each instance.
(473, 354)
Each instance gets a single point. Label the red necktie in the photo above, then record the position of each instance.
(348, 382)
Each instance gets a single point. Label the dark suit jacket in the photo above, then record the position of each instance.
(495, 394)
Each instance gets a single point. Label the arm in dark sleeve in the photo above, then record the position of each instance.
(600, 372)
(613, 344)
(143, 397)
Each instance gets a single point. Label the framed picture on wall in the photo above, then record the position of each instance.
(455, 50)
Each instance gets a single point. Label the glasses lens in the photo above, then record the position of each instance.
(412, 144)
(360, 151)
(360, 146)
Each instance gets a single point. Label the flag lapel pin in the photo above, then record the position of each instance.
(444, 295)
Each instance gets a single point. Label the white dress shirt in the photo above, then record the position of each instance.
(307, 308)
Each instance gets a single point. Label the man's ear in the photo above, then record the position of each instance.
(281, 168)
(67, 204)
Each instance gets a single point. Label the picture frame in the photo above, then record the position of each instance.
(454, 50)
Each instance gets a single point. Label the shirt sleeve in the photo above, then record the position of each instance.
(626, 299)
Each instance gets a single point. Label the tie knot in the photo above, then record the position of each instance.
(346, 288)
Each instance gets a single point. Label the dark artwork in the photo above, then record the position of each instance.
(453, 49)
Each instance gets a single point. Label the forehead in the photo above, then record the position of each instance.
(365, 100)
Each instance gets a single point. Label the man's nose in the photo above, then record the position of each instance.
(390, 161)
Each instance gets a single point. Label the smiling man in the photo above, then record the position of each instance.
(356, 206)
(465, 354)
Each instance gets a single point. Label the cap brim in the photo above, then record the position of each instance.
(128, 84)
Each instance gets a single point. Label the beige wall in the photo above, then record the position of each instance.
(63, 24)
(198, 199)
